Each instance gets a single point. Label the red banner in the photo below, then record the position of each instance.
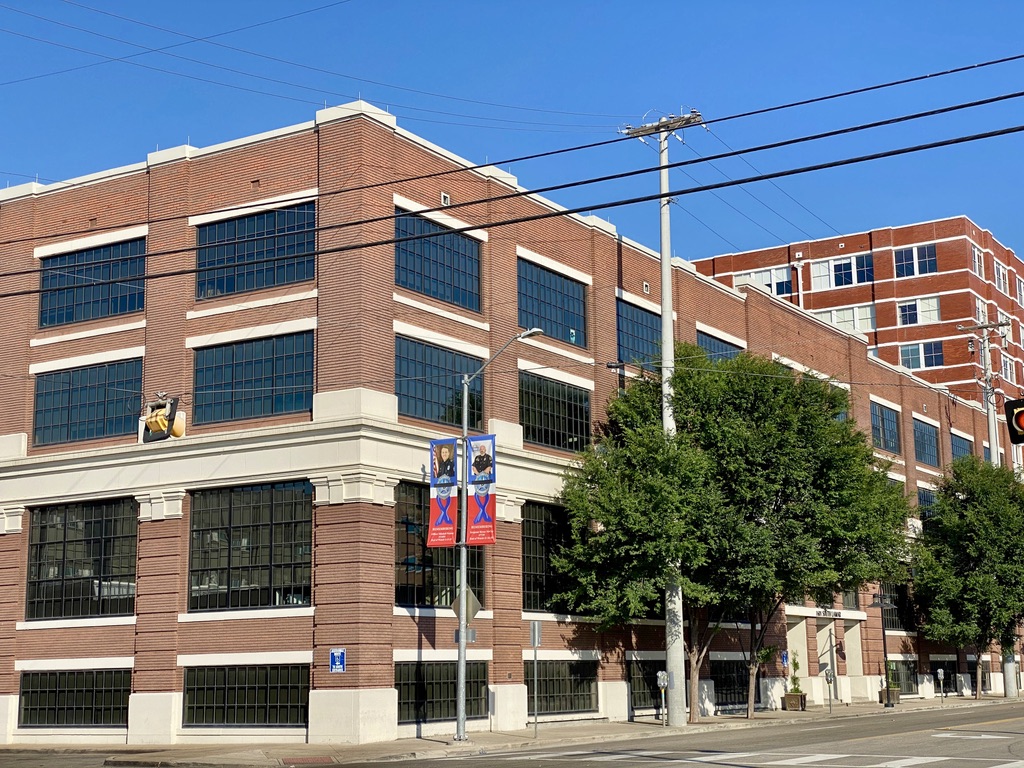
(481, 528)
(444, 511)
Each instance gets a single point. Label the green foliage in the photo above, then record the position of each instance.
(969, 561)
(763, 495)
(890, 676)
(794, 680)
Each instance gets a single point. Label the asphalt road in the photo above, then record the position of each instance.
(982, 737)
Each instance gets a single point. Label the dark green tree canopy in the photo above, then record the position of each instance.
(766, 493)
(969, 560)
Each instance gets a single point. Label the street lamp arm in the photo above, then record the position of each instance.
(467, 379)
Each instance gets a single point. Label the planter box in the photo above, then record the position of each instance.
(894, 696)
(794, 702)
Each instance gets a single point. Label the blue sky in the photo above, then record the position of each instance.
(494, 81)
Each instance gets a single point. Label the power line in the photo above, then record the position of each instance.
(602, 206)
(540, 190)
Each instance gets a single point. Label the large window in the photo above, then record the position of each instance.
(715, 348)
(427, 577)
(545, 529)
(563, 687)
(427, 690)
(251, 547)
(860, 318)
(923, 310)
(778, 280)
(885, 427)
(87, 698)
(978, 261)
(552, 302)
(553, 413)
(926, 443)
(960, 446)
(927, 354)
(915, 261)
(259, 251)
(639, 335)
(263, 697)
(438, 262)
(81, 560)
(248, 379)
(838, 273)
(86, 403)
(94, 283)
(428, 382)
(731, 679)
(1002, 280)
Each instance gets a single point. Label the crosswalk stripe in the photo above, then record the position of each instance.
(805, 759)
(721, 757)
(630, 755)
(906, 762)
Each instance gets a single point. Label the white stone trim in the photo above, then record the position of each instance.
(252, 332)
(826, 613)
(801, 368)
(553, 265)
(440, 654)
(91, 241)
(712, 331)
(256, 658)
(645, 655)
(264, 614)
(557, 351)
(257, 303)
(555, 374)
(80, 361)
(409, 302)
(438, 217)
(257, 206)
(926, 419)
(887, 403)
(440, 339)
(44, 340)
(580, 654)
(562, 618)
(99, 621)
(424, 611)
(964, 435)
(94, 662)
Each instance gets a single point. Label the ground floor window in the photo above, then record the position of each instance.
(427, 690)
(904, 672)
(266, 696)
(732, 681)
(82, 698)
(562, 686)
(948, 684)
(986, 674)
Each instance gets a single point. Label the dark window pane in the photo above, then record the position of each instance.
(428, 382)
(639, 335)
(86, 698)
(256, 378)
(251, 547)
(562, 687)
(427, 577)
(926, 443)
(885, 428)
(717, 349)
(87, 403)
(254, 252)
(552, 302)
(553, 413)
(265, 696)
(960, 446)
(545, 529)
(436, 261)
(427, 690)
(94, 283)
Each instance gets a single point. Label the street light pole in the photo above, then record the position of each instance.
(460, 682)
(675, 648)
(882, 603)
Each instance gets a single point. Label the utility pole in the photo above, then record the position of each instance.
(988, 388)
(989, 393)
(675, 647)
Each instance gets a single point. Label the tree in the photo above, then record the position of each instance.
(969, 560)
(765, 494)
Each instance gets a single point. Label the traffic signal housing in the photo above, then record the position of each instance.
(163, 420)
(1015, 420)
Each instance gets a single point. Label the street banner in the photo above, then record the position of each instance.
(444, 494)
(481, 518)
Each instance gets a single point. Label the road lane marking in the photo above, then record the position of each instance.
(906, 762)
(954, 735)
(721, 757)
(805, 759)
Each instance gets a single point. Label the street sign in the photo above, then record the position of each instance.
(785, 658)
(472, 606)
(470, 636)
(535, 634)
(338, 661)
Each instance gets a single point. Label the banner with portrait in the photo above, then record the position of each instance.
(480, 471)
(444, 493)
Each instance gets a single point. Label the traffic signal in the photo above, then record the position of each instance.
(1015, 420)
(163, 420)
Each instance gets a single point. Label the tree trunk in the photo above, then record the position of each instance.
(978, 675)
(751, 688)
(694, 683)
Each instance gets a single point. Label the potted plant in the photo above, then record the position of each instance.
(795, 700)
(890, 692)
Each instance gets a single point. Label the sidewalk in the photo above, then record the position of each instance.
(550, 735)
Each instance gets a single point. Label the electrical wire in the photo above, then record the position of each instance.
(541, 190)
(602, 206)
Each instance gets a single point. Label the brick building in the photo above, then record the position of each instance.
(907, 289)
(281, 286)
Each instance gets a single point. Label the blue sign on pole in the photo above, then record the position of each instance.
(785, 658)
(337, 659)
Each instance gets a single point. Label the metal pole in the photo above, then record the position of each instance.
(990, 399)
(885, 665)
(536, 693)
(832, 661)
(460, 682)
